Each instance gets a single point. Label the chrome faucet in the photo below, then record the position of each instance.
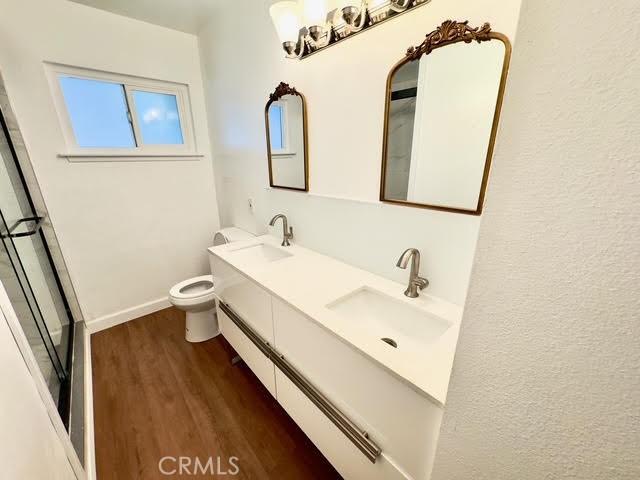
(287, 231)
(415, 280)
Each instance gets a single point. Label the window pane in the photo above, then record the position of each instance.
(158, 118)
(275, 127)
(98, 112)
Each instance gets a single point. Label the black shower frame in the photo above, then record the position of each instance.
(64, 397)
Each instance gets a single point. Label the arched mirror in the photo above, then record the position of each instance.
(286, 122)
(442, 109)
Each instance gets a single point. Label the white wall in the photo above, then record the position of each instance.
(29, 445)
(545, 382)
(345, 90)
(128, 231)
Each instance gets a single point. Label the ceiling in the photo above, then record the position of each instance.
(184, 15)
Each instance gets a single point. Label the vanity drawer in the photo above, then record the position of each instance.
(261, 366)
(401, 421)
(246, 298)
(339, 450)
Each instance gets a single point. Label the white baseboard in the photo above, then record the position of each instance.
(123, 316)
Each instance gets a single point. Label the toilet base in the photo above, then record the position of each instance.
(201, 326)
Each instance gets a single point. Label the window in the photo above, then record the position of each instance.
(99, 113)
(109, 115)
(158, 118)
(276, 127)
(278, 133)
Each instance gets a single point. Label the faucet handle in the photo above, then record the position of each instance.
(290, 234)
(421, 283)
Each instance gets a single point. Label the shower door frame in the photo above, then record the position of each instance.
(8, 314)
(64, 397)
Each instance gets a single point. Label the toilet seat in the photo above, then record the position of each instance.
(197, 296)
(193, 291)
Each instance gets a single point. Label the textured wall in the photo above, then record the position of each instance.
(546, 380)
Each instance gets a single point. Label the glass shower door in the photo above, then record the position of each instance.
(28, 276)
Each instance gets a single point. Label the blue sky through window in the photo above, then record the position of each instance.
(98, 113)
(275, 127)
(158, 118)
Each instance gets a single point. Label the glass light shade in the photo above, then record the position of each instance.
(286, 19)
(315, 12)
(340, 4)
(374, 4)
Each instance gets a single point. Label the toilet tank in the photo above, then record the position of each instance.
(228, 235)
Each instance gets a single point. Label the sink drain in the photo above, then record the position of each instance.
(390, 341)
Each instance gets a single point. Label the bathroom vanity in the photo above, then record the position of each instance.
(362, 369)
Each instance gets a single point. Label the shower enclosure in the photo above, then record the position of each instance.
(30, 277)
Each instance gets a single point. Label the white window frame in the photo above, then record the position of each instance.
(75, 152)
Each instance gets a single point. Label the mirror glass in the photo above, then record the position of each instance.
(286, 139)
(440, 126)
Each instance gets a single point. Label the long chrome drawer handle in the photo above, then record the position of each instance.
(357, 436)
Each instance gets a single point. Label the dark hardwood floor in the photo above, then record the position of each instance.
(156, 395)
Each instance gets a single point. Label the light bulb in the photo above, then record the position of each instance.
(315, 12)
(286, 19)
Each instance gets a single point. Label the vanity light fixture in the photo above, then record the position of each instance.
(307, 26)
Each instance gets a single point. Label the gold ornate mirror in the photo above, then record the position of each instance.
(286, 121)
(441, 117)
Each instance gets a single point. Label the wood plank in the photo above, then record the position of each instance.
(157, 395)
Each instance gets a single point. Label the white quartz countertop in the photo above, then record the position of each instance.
(309, 282)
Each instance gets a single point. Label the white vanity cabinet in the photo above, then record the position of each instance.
(253, 304)
(398, 419)
(261, 366)
(402, 422)
(343, 455)
(247, 298)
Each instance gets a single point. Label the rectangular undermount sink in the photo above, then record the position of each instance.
(260, 253)
(389, 320)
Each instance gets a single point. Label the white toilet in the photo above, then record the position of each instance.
(196, 296)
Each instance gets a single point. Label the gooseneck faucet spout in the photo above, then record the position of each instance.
(287, 231)
(415, 280)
